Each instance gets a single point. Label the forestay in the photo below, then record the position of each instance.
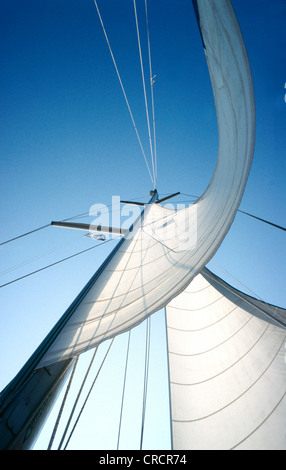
(169, 248)
(227, 368)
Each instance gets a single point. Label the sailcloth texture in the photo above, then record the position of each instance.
(227, 369)
(167, 248)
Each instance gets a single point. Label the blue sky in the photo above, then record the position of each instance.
(67, 142)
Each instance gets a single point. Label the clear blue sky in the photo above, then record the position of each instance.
(67, 142)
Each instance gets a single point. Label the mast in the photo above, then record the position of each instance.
(27, 400)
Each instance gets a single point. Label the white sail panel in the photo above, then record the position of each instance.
(171, 247)
(227, 368)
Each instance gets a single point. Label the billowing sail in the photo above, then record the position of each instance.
(168, 248)
(227, 368)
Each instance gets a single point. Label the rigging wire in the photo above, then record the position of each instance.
(63, 404)
(235, 279)
(168, 375)
(152, 93)
(56, 262)
(250, 215)
(123, 90)
(83, 214)
(123, 391)
(39, 256)
(96, 246)
(88, 395)
(240, 294)
(144, 90)
(25, 234)
(77, 398)
(146, 373)
(263, 220)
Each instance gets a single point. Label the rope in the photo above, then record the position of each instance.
(123, 391)
(123, 90)
(147, 355)
(144, 89)
(90, 390)
(62, 405)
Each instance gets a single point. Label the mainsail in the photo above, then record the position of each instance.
(167, 248)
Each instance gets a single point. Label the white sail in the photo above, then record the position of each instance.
(227, 368)
(171, 247)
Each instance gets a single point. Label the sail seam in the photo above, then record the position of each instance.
(223, 342)
(235, 399)
(264, 421)
(205, 327)
(223, 371)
